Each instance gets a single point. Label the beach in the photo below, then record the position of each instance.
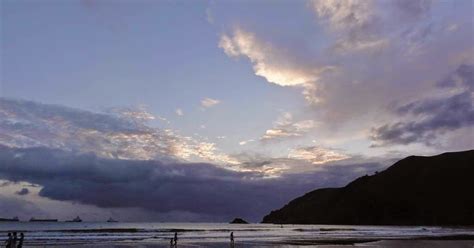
(100, 234)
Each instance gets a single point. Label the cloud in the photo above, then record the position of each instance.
(345, 15)
(209, 152)
(23, 191)
(5, 184)
(26, 124)
(436, 116)
(375, 44)
(273, 64)
(244, 142)
(209, 102)
(285, 128)
(179, 112)
(140, 114)
(354, 24)
(303, 159)
(386, 52)
(463, 77)
(316, 155)
(431, 117)
(413, 9)
(14, 206)
(244, 43)
(360, 57)
(120, 133)
(369, 26)
(161, 187)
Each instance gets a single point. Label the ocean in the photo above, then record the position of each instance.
(120, 234)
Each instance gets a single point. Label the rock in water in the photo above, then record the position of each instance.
(238, 221)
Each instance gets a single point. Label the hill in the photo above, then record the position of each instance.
(437, 190)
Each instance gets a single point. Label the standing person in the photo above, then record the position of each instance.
(20, 243)
(232, 239)
(175, 239)
(8, 242)
(14, 240)
(171, 243)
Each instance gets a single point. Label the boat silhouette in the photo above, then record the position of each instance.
(33, 219)
(12, 219)
(77, 219)
(111, 220)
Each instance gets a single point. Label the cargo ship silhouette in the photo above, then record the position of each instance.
(77, 219)
(12, 219)
(33, 219)
(111, 220)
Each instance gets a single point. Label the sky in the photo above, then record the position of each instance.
(210, 110)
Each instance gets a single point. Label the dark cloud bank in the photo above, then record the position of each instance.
(432, 117)
(78, 156)
(201, 189)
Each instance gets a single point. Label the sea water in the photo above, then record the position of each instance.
(124, 234)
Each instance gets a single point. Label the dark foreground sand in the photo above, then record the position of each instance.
(372, 244)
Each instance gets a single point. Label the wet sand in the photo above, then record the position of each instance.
(216, 235)
(307, 244)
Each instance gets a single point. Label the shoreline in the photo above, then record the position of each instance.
(384, 243)
(428, 241)
(216, 235)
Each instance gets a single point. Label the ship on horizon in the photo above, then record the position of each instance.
(15, 219)
(33, 219)
(111, 220)
(77, 219)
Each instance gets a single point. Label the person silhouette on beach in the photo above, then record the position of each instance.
(232, 239)
(14, 239)
(175, 239)
(171, 243)
(8, 242)
(20, 243)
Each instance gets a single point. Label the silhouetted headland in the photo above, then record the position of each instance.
(435, 190)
